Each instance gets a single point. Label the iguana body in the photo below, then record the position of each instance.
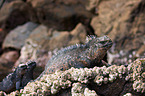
(19, 78)
(79, 56)
(13, 80)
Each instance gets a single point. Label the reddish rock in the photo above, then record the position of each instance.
(10, 56)
(16, 13)
(61, 14)
(7, 61)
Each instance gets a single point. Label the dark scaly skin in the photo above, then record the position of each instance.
(79, 56)
(13, 80)
(28, 76)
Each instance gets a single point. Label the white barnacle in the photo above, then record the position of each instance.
(94, 70)
(98, 71)
(112, 69)
(108, 70)
(127, 77)
(138, 88)
(53, 90)
(82, 74)
(67, 84)
(143, 75)
(137, 85)
(105, 80)
(75, 74)
(56, 84)
(88, 92)
(45, 87)
(85, 81)
(39, 91)
(128, 94)
(121, 69)
(76, 88)
(130, 67)
(112, 77)
(120, 75)
(143, 88)
(98, 80)
(88, 72)
(104, 70)
(138, 68)
(33, 94)
(66, 75)
(136, 76)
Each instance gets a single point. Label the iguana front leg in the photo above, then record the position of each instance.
(105, 63)
(21, 70)
(18, 84)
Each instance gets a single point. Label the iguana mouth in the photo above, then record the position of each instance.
(108, 44)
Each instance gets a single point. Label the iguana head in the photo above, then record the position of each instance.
(20, 70)
(31, 65)
(103, 42)
(98, 46)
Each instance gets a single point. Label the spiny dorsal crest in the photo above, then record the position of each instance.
(90, 38)
(30, 62)
(93, 37)
(69, 48)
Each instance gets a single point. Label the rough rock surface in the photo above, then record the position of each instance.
(16, 38)
(109, 81)
(15, 13)
(123, 21)
(2, 36)
(92, 5)
(61, 14)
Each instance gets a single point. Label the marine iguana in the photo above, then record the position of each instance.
(79, 56)
(28, 76)
(13, 80)
(19, 78)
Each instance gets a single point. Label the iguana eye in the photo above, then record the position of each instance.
(102, 42)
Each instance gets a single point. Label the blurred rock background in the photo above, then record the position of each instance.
(36, 29)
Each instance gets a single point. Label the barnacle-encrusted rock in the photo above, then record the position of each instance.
(2, 93)
(79, 89)
(136, 73)
(80, 80)
(88, 92)
(128, 94)
(15, 93)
